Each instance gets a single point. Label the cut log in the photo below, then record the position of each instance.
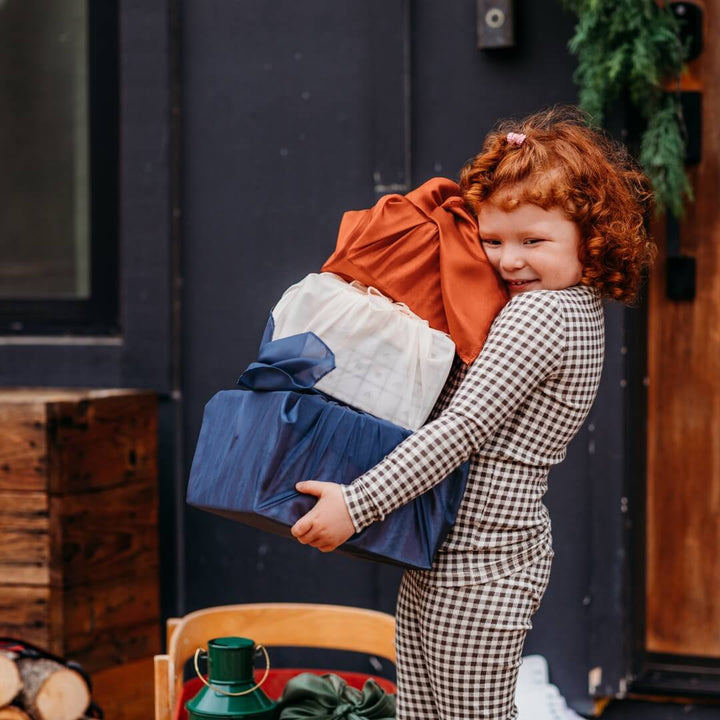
(11, 712)
(52, 691)
(10, 682)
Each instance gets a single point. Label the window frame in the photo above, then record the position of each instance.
(143, 351)
(97, 314)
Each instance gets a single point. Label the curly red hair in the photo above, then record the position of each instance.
(567, 164)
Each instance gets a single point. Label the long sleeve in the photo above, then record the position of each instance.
(525, 346)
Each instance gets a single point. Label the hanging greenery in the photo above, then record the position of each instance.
(626, 49)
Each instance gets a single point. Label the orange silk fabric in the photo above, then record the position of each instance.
(422, 249)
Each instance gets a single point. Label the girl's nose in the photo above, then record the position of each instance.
(511, 258)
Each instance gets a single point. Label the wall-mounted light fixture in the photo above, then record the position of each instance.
(495, 24)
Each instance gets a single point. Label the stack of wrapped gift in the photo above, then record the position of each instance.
(352, 361)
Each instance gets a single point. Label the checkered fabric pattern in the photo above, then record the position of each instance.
(512, 413)
(459, 648)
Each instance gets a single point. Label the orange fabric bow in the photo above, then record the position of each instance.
(422, 249)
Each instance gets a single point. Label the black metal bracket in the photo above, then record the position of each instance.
(690, 18)
(680, 269)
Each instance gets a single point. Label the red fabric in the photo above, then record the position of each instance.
(275, 683)
(422, 249)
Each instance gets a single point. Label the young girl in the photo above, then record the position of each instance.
(560, 213)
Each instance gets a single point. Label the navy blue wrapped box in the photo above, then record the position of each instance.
(255, 445)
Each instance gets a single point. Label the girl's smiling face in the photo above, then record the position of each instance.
(530, 247)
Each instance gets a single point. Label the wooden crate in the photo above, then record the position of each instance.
(78, 523)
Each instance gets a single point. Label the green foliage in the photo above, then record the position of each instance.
(661, 145)
(625, 49)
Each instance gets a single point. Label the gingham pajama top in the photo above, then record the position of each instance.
(512, 413)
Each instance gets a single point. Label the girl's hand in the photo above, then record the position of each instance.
(328, 524)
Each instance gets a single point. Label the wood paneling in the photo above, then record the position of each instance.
(25, 613)
(24, 537)
(683, 481)
(86, 437)
(23, 455)
(78, 523)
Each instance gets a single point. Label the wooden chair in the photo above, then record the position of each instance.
(271, 624)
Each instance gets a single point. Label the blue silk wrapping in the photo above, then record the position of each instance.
(292, 363)
(254, 445)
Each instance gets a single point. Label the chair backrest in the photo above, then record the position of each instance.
(271, 624)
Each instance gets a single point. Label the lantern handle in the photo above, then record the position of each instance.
(242, 692)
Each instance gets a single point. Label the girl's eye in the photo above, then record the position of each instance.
(489, 242)
(534, 241)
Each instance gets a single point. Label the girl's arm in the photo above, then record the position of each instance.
(525, 346)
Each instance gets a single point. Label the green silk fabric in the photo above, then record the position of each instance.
(329, 697)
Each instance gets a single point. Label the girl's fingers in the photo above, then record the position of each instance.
(310, 487)
(321, 544)
(306, 532)
(313, 537)
(301, 528)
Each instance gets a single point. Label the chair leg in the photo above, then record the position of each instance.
(163, 688)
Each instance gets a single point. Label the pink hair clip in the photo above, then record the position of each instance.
(516, 139)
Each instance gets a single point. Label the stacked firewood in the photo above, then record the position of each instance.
(39, 688)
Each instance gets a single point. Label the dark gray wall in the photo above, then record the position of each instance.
(294, 112)
(278, 117)
(246, 130)
(284, 126)
(286, 115)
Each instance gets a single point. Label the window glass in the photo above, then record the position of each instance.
(44, 150)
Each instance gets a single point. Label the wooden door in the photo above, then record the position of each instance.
(682, 610)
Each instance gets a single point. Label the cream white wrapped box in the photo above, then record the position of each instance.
(388, 361)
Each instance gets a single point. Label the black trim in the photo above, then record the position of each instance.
(104, 47)
(636, 464)
(678, 675)
(97, 315)
(390, 146)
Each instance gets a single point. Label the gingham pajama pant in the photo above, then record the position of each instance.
(511, 413)
(459, 648)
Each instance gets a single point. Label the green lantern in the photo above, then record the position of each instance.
(230, 690)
